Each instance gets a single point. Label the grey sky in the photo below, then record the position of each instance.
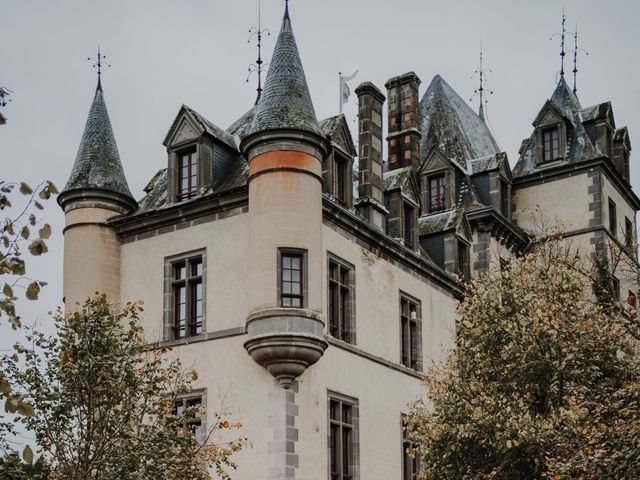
(165, 53)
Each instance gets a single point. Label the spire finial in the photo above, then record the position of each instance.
(259, 66)
(97, 64)
(286, 9)
(481, 72)
(576, 50)
(562, 35)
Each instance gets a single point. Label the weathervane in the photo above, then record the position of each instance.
(5, 93)
(562, 38)
(481, 72)
(576, 50)
(97, 64)
(259, 66)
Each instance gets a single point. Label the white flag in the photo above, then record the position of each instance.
(345, 91)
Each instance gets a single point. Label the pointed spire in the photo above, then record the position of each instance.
(286, 10)
(285, 102)
(97, 165)
(565, 99)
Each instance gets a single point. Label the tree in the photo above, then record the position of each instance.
(13, 468)
(542, 383)
(104, 402)
(23, 232)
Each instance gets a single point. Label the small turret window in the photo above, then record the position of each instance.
(437, 193)
(187, 175)
(340, 183)
(550, 144)
(292, 281)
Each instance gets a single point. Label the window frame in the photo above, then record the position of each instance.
(340, 180)
(463, 270)
(170, 282)
(553, 151)
(343, 400)
(350, 302)
(613, 218)
(628, 232)
(304, 279)
(414, 341)
(443, 205)
(407, 444)
(194, 178)
(200, 420)
(409, 224)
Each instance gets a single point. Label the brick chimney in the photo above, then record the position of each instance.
(404, 121)
(370, 202)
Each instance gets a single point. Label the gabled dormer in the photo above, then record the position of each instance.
(198, 153)
(600, 125)
(337, 168)
(440, 179)
(551, 133)
(622, 152)
(402, 200)
(492, 179)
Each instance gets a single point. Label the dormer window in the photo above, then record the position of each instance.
(187, 174)
(550, 144)
(408, 225)
(340, 177)
(437, 193)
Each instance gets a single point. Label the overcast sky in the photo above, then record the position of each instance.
(165, 53)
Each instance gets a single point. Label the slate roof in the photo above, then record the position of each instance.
(579, 146)
(240, 128)
(97, 164)
(285, 100)
(448, 123)
(212, 129)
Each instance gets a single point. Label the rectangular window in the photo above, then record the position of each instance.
(613, 218)
(341, 315)
(505, 198)
(187, 175)
(408, 225)
(410, 459)
(188, 297)
(550, 144)
(437, 193)
(463, 260)
(615, 289)
(291, 279)
(340, 180)
(632, 299)
(410, 332)
(191, 407)
(342, 438)
(628, 233)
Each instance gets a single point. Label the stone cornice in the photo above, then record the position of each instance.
(500, 226)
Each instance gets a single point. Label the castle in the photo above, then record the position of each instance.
(310, 292)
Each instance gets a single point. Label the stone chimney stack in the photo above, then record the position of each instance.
(370, 202)
(404, 121)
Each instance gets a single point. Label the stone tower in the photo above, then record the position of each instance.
(96, 191)
(285, 149)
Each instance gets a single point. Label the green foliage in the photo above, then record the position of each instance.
(104, 402)
(12, 468)
(543, 382)
(15, 236)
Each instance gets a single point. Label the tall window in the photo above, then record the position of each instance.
(408, 233)
(505, 198)
(628, 233)
(410, 331)
(550, 144)
(190, 406)
(342, 438)
(187, 175)
(340, 301)
(437, 193)
(632, 300)
(340, 180)
(410, 460)
(615, 289)
(463, 260)
(613, 218)
(188, 300)
(291, 279)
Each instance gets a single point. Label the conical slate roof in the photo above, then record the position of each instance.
(285, 100)
(567, 101)
(449, 124)
(97, 165)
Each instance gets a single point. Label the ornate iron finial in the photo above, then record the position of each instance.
(562, 38)
(259, 66)
(576, 50)
(97, 64)
(482, 74)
